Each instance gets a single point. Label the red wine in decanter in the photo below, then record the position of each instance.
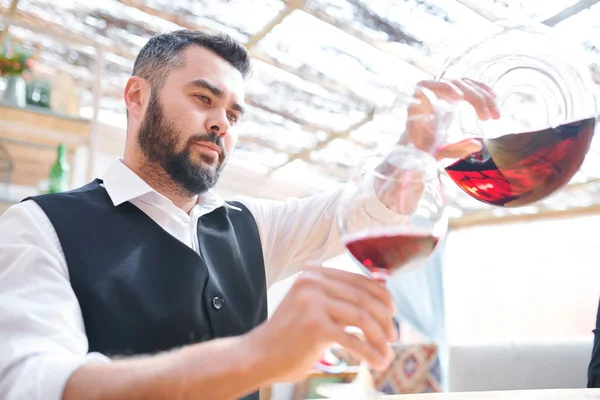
(520, 169)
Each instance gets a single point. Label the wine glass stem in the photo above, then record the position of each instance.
(382, 278)
(330, 363)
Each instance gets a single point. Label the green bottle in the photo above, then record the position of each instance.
(59, 173)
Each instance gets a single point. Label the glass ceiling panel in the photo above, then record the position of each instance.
(239, 18)
(288, 94)
(277, 132)
(339, 153)
(110, 18)
(324, 49)
(418, 23)
(314, 177)
(381, 133)
(527, 9)
(260, 155)
(584, 27)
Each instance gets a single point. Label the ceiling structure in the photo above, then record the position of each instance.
(325, 73)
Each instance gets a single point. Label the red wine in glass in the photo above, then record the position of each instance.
(388, 250)
(520, 169)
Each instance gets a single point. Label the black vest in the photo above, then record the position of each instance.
(141, 290)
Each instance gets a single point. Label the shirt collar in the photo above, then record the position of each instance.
(122, 185)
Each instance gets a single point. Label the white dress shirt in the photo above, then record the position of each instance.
(42, 335)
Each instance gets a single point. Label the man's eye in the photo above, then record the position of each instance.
(203, 99)
(232, 117)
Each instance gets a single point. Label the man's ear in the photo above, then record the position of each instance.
(136, 95)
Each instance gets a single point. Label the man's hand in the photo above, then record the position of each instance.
(314, 315)
(421, 124)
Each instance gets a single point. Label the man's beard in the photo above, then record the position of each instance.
(158, 139)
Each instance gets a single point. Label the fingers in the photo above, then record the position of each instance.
(349, 299)
(359, 302)
(461, 149)
(376, 334)
(357, 283)
(480, 96)
(421, 126)
(360, 349)
(482, 86)
(443, 89)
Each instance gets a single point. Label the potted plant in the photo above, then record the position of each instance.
(15, 61)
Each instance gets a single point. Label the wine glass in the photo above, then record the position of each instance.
(391, 218)
(548, 104)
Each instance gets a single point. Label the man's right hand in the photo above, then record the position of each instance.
(422, 132)
(314, 315)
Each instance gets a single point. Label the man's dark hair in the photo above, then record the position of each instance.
(164, 53)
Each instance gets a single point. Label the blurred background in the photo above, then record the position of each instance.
(325, 76)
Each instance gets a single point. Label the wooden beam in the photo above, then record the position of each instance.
(263, 142)
(289, 8)
(331, 170)
(41, 26)
(174, 19)
(479, 8)
(12, 8)
(570, 11)
(308, 125)
(581, 185)
(303, 155)
(485, 219)
(325, 82)
(485, 12)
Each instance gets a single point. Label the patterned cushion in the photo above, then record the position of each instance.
(416, 369)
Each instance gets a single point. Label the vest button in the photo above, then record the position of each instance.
(218, 302)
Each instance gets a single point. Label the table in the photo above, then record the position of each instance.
(546, 394)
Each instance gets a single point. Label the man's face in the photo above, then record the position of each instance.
(189, 124)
